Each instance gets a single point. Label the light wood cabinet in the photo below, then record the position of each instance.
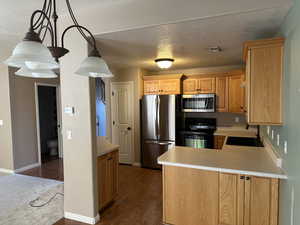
(199, 86)
(247, 200)
(219, 141)
(107, 178)
(193, 197)
(190, 196)
(162, 85)
(169, 87)
(151, 87)
(190, 86)
(222, 93)
(236, 94)
(264, 62)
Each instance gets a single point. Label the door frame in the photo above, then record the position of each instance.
(131, 83)
(59, 119)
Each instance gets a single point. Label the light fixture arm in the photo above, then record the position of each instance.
(49, 26)
(94, 52)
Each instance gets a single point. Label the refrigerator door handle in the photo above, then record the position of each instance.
(159, 142)
(158, 117)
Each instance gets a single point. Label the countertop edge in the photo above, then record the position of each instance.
(224, 170)
(112, 149)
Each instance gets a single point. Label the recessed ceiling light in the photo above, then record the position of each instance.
(164, 63)
(214, 49)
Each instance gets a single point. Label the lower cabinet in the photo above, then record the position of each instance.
(247, 200)
(107, 178)
(219, 141)
(196, 197)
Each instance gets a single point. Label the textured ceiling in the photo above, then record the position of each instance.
(187, 42)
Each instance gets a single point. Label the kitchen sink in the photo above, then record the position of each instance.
(244, 141)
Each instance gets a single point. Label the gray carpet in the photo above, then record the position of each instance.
(16, 192)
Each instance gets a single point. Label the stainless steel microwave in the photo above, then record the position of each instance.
(198, 103)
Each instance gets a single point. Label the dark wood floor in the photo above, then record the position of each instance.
(139, 201)
(51, 170)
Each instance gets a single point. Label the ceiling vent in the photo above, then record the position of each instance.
(214, 49)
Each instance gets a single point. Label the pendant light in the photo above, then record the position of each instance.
(94, 66)
(38, 73)
(33, 57)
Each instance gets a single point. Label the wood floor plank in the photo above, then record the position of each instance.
(139, 201)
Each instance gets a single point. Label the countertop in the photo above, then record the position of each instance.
(236, 131)
(105, 147)
(247, 161)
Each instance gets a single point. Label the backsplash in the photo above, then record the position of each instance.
(223, 119)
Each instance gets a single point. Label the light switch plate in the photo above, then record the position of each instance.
(69, 110)
(1, 123)
(69, 134)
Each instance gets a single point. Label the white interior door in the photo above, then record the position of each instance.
(122, 119)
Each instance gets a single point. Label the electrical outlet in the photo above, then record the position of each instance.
(285, 147)
(272, 134)
(278, 139)
(237, 119)
(268, 130)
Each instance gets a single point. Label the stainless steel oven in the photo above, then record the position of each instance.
(198, 103)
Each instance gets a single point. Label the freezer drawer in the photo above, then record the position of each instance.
(151, 150)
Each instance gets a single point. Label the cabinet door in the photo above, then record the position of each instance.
(190, 86)
(236, 94)
(266, 85)
(219, 141)
(207, 85)
(231, 199)
(190, 196)
(169, 86)
(151, 87)
(115, 171)
(222, 94)
(102, 179)
(261, 201)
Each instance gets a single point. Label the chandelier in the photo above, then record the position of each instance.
(38, 61)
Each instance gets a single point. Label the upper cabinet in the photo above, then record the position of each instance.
(199, 86)
(162, 85)
(264, 62)
(222, 93)
(236, 93)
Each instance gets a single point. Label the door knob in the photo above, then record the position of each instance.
(128, 128)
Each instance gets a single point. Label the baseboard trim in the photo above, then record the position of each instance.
(81, 218)
(2, 170)
(137, 164)
(22, 169)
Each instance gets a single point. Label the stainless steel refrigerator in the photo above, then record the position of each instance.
(158, 127)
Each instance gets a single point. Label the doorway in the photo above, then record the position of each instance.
(48, 122)
(122, 119)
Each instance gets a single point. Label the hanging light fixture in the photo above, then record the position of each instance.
(34, 58)
(37, 73)
(164, 63)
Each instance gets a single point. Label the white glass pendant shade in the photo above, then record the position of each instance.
(94, 66)
(33, 55)
(39, 73)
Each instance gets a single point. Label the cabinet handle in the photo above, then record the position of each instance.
(242, 177)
